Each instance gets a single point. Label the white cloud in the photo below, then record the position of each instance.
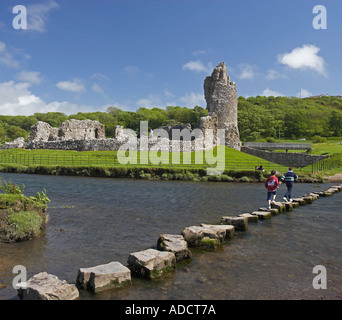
(198, 52)
(2, 46)
(131, 70)
(247, 72)
(193, 99)
(152, 101)
(268, 92)
(32, 77)
(304, 93)
(100, 76)
(75, 86)
(38, 15)
(197, 66)
(6, 58)
(97, 89)
(304, 58)
(274, 74)
(17, 99)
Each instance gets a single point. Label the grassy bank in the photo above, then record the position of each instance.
(153, 173)
(21, 217)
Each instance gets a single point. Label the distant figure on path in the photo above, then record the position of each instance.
(271, 184)
(151, 133)
(289, 178)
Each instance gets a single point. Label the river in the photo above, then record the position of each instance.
(94, 221)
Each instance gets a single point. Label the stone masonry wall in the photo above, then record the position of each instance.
(285, 159)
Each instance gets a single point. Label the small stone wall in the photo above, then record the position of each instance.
(285, 159)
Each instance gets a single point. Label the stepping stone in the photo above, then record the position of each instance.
(309, 199)
(332, 190)
(288, 206)
(151, 263)
(102, 277)
(250, 217)
(262, 215)
(174, 243)
(240, 223)
(274, 212)
(44, 286)
(278, 205)
(300, 201)
(204, 237)
(295, 204)
(229, 229)
(339, 188)
(315, 195)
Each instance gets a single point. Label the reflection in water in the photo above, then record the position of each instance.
(94, 221)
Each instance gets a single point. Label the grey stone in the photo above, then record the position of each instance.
(278, 205)
(250, 217)
(44, 286)
(18, 143)
(106, 276)
(151, 263)
(288, 206)
(274, 212)
(240, 223)
(300, 201)
(174, 243)
(229, 229)
(309, 199)
(262, 215)
(196, 236)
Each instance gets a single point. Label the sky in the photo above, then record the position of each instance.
(83, 56)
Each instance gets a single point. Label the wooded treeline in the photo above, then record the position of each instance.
(259, 118)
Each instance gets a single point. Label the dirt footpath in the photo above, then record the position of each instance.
(336, 178)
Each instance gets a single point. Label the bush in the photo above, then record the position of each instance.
(245, 179)
(319, 139)
(11, 188)
(24, 225)
(226, 178)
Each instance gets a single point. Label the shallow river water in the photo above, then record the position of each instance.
(94, 221)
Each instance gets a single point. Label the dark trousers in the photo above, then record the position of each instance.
(289, 186)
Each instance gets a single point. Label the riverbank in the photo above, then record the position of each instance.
(21, 218)
(153, 173)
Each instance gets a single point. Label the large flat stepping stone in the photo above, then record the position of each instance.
(102, 277)
(333, 190)
(274, 212)
(339, 188)
(44, 286)
(204, 237)
(240, 223)
(309, 199)
(300, 201)
(151, 263)
(262, 215)
(288, 206)
(278, 205)
(250, 217)
(229, 229)
(174, 243)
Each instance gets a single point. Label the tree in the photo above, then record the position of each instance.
(335, 123)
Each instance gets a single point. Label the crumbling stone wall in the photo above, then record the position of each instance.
(69, 130)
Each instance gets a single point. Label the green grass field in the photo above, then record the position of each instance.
(232, 159)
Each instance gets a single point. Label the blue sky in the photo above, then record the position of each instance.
(80, 56)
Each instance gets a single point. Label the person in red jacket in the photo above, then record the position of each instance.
(271, 184)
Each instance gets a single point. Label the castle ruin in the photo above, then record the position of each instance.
(87, 135)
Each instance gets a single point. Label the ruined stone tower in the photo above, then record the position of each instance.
(221, 96)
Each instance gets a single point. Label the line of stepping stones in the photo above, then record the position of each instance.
(151, 263)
